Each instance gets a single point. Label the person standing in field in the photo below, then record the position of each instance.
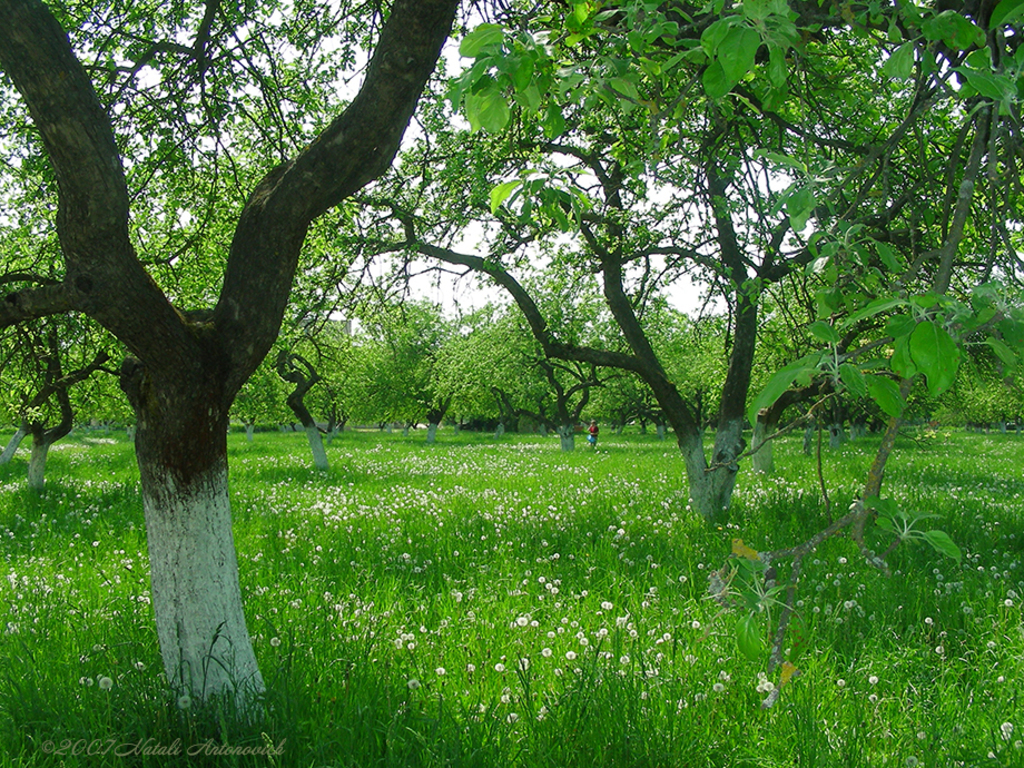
(592, 437)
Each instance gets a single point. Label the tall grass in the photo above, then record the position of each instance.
(486, 603)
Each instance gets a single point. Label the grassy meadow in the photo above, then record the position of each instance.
(500, 603)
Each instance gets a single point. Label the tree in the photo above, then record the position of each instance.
(296, 370)
(44, 390)
(187, 365)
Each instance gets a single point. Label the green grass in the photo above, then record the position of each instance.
(393, 601)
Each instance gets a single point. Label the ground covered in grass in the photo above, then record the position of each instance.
(500, 603)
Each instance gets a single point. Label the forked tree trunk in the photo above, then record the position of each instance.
(711, 485)
(12, 445)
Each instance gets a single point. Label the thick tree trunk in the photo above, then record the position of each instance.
(181, 447)
(249, 429)
(12, 445)
(567, 436)
(431, 433)
(204, 641)
(500, 431)
(37, 462)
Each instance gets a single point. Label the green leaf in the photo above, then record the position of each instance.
(777, 69)
(481, 37)
(823, 331)
(888, 257)
(713, 36)
(852, 377)
(748, 637)
(935, 354)
(901, 362)
(737, 51)
(996, 87)
(624, 87)
(716, 84)
(487, 109)
(1006, 12)
(554, 123)
(885, 507)
(900, 325)
(954, 29)
(780, 382)
(885, 523)
(1004, 353)
(886, 394)
(800, 205)
(941, 542)
(876, 307)
(900, 65)
(501, 193)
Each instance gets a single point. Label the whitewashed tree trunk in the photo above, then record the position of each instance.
(836, 435)
(763, 458)
(12, 446)
(316, 445)
(405, 431)
(431, 434)
(567, 436)
(661, 431)
(249, 429)
(711, 491)
(130, 432)
(37, 464)
(197, 602)
(500, 431)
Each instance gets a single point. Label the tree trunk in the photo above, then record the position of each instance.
(500, 431)
(37, 462)
(836, 435)
(661, 431)
(763, 459)
(567, 436)
(196, 596)
(12, 445)
(710, 491)
(809, 439)
(249, 429)
(316, 446)
(431, 433)
(181, 447)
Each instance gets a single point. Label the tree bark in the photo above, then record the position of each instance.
(763, 460)
(13, 443)
(567, 437)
